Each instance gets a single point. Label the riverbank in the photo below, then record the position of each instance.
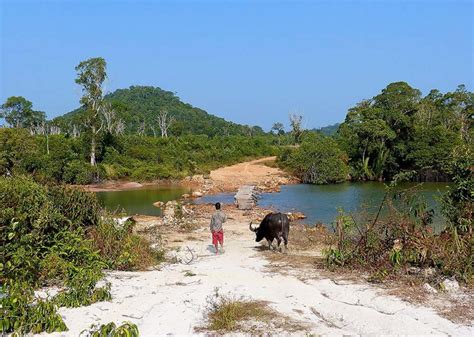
(262, 172)
(172, 298)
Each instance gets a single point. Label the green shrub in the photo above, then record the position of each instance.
(42, 224)
(318, 160)
(82, 173)
(121, 249)
(402, 238)
(22, 313)
(127, 329)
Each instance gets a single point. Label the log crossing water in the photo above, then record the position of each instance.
(246, 197)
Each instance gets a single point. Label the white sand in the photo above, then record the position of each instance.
(167, 302)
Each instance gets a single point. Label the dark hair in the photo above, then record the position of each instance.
(218, 205)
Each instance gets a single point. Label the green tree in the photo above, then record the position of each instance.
(18, 113)
(318, 160)
(91, 75)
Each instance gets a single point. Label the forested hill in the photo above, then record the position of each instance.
(329, 130)
(137, 109)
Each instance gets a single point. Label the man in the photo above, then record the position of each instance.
(217, 219)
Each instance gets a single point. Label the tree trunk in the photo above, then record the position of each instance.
(47, 143)
(93, 147)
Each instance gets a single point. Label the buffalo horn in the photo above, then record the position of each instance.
(252, 229)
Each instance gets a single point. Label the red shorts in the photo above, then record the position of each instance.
(218, 237)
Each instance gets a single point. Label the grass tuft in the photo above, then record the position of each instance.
(231, 314)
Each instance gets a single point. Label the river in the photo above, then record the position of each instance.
(320, 203)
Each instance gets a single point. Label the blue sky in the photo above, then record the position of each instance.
(251, 62)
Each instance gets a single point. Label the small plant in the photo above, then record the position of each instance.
(226, 314)
(82, 290)
(21, 313)
(396, 257)
(334, 257)
(127, 329)
(189, 273)
(378, 276)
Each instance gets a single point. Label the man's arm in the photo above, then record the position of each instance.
(211, 224)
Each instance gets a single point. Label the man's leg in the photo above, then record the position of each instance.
(215, 241)
(221, 241)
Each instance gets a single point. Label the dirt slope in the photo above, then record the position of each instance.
(254, 172)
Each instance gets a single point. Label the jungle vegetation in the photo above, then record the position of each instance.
(396, 131)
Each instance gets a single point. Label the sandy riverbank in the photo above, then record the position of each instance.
(169, 301)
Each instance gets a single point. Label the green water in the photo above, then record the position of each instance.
(140, 201)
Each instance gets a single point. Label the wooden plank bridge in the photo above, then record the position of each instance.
(246, 197)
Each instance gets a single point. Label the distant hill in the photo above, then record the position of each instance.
(139, 106)
(328, 130)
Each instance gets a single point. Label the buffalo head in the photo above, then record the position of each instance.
(258, 232)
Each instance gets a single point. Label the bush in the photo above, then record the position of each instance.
(46, 234)
(82, 173)
(401, 239)
(121, 249)
(22, 313)
(317, 161)
(111, 330)
(42, 224)
(226, 314)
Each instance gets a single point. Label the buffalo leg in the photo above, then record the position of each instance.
(279, 242)
(269, 244)
(285, 241)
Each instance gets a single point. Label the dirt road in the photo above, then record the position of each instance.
(254, 172)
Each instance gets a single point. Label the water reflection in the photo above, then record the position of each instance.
(140, 201)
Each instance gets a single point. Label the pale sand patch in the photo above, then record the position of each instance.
(253, 172)
(167, 301)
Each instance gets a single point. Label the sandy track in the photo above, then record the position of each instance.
(248, 173)
(168, 302)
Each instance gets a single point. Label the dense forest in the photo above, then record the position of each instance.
(138, 109)
(396, 131)
(141, 158)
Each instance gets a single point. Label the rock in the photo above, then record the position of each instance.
(158, 204)
(131, 184)
(296, 216)
(197, 194)
(186, 196)
(450, 286)
(169, 212)
(414, 270)
(198, 178)
(427, 272)
(429, 289)
(121, 221)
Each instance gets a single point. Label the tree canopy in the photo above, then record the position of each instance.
(401, 130)
(18, 113)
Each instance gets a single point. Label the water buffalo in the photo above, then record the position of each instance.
(273, 226)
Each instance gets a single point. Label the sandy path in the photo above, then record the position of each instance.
(167, 302)
(248, 173)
